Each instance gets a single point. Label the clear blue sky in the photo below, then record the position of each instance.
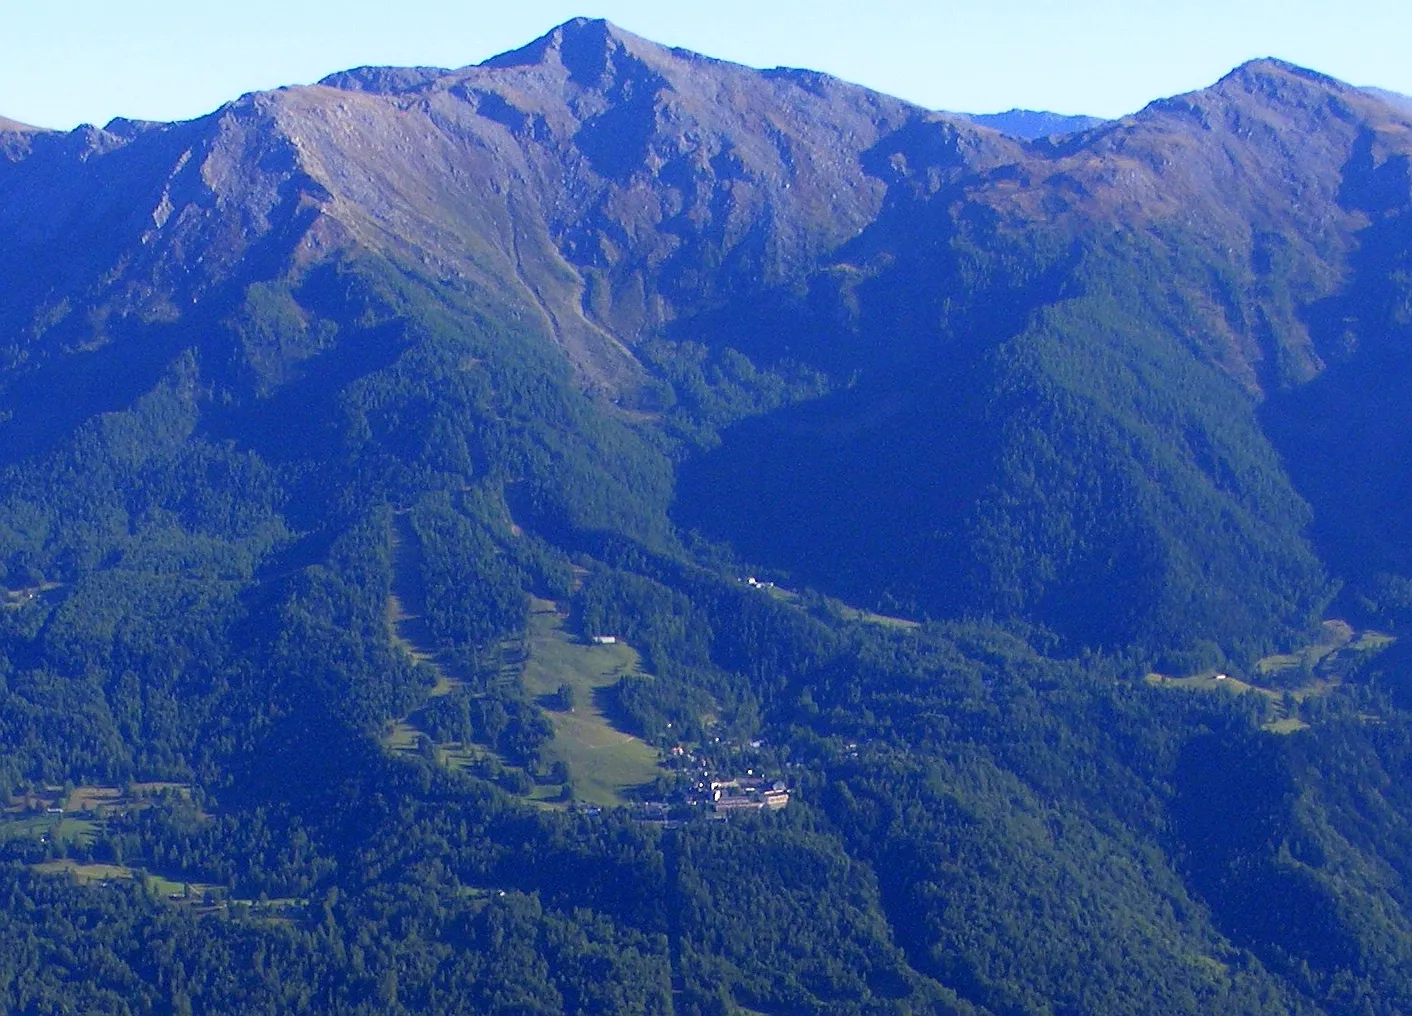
(72, 61)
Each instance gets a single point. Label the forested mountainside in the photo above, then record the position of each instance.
(612, 531)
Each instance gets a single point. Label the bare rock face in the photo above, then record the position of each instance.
(621, 184)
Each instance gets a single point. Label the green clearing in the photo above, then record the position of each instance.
(407, 629)
(749, 1012)
(1334, 635)
(846, 612)
(84, 873)
(91, 798)
(404, 738)
(838, 609)
(167, 888)
(18, 598)
(603, 761)
(401, 736)
(100, 798)
(870, 617)
(1208, 681)
(1278, 718)
(1371, 642)
(78, 817)
(1317, 669)
(60, 829)
(202, 897)
(179, 891)
(1337, 647)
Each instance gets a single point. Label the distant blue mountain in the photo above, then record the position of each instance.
(1029, 124)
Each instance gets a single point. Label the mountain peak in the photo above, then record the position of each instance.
(1287, 99)
(580, 44)
(1275, 79)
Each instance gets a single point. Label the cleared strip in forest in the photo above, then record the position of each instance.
(406, 607)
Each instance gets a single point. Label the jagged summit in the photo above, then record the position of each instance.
(122, 127)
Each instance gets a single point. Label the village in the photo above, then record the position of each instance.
(720, 798)
(703, 784)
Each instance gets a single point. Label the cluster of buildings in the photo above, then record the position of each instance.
(705, 790)
(750, 793)
(721, 797)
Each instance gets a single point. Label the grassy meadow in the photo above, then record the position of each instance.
(602, 760)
